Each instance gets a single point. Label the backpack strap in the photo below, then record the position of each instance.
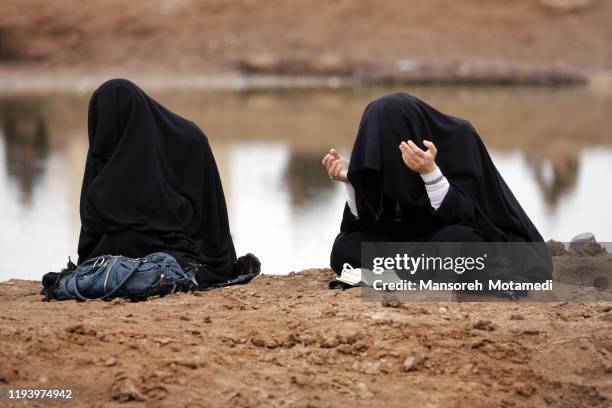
(108, 269)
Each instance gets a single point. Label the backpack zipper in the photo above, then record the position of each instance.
(108, 272)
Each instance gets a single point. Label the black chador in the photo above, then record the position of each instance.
(392, 202)
(151, 184)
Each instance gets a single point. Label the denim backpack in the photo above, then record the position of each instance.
(107, 277)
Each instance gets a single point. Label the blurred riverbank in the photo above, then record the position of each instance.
(211, 43)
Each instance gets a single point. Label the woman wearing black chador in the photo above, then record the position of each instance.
(151, 184)
(419, 175)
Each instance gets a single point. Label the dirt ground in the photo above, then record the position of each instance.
(289, 341)
(434, 39)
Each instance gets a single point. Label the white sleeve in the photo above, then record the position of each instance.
(436, 186)
(350, 198)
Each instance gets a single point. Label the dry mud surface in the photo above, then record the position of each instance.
(289, 341)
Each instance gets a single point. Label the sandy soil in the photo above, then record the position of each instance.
(428, 40)
(289, 341)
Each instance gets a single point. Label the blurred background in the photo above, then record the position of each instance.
(275, 83)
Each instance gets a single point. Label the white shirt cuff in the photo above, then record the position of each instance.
(429, 177)
(436, 186)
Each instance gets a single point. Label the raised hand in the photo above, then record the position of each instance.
(336, 166)
(421, 161)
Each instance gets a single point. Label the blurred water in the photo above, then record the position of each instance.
(553, 147)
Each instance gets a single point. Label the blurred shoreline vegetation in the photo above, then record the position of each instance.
(24, 126)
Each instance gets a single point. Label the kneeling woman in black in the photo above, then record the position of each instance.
(419, 175)
(151, 184)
